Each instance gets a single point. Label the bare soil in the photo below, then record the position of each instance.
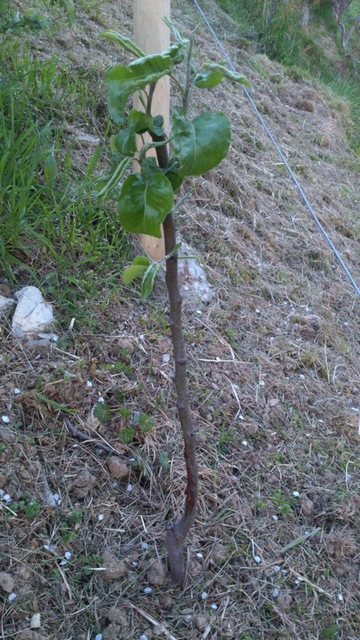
(274, 377)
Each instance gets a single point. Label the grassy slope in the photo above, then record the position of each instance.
(274, 379)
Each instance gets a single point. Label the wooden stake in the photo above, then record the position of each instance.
(153, 36)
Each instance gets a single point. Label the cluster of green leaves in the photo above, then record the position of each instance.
(136, 424)
(197, 145)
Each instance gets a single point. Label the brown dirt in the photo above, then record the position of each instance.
(274, 375)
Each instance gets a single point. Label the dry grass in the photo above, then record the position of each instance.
(274, 377)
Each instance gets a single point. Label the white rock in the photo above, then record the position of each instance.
(35, 622)
(5, 304)
(32, 314)
(194, 282)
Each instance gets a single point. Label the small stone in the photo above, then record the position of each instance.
(213, 606)
(273, 402)
(7, 435)
(117, 615)
(118, 468)
(83, 483)
(7, 582)
(126, 344)
(5, 304)
(114, 568)
(257, 559)
(296, 494)
(284, 601)
(111, 632)
(157, 574)
(147, 591)
(32, 313)
(35, 622)
(5, 419)
(200, 622)
(219, 553)
(307, 506)
(12, 597)
(204, 595)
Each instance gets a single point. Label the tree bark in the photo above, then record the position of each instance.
(339, 7)
(178, 530)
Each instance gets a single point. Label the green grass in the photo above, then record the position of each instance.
(285, 41)
(53, 231)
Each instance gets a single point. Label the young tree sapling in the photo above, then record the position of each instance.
(146, 201)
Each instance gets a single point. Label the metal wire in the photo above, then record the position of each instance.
(284, 160)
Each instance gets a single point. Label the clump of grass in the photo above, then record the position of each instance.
(283, 39)
(47, 205)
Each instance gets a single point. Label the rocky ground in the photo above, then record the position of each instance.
(90, 450)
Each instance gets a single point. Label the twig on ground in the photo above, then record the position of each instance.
(85, 438)
(149, 618)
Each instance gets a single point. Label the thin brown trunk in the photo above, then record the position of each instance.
(177, 531)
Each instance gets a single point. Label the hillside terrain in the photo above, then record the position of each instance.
(91, 464)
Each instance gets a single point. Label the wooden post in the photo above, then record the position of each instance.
(153, 36)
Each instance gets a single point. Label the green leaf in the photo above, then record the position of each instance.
(200, 144)
(127, 44)
(175, 32)
(147, 284)
(141, 121)
(127, 435)
(157, 126)
(144, 204)
(226, 73)
(138, 267)
(133, 272)
(171, 253)
(330, 633)
(176, 52)
(164, 460)
(104, 186)
(173, 175)
(207, 79)
(123, 80)
(141, 260)
(50, 170)
(300, 540)
(124, 142)
(93, 160)
(101, 411)
(149, 167)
